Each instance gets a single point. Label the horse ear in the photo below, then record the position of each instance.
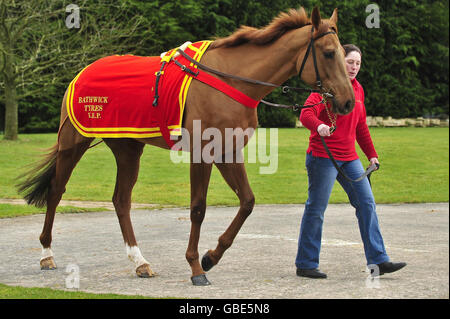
(315, 17)
(334, 16)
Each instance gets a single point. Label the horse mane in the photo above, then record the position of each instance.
(285, 21)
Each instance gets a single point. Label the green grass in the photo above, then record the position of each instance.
(10, 210)
(414, 168)
(15, 292)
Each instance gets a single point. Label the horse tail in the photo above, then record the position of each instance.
(36, 186)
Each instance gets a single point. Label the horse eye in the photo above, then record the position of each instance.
(329, 55)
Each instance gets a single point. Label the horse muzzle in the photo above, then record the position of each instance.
(342, 108)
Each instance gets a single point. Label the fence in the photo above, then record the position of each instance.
(378, 121)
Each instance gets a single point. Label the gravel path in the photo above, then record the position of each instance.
(260, 264)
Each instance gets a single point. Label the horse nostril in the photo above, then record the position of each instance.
(348, 106)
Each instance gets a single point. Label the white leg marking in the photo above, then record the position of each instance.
(46, 252)
(134, 254)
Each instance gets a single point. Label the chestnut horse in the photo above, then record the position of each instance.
(271, 54)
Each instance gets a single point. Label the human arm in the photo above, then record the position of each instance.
(363, 136)
(309, 116)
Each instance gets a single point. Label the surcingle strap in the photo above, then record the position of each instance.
(166, 58)
(158, 75)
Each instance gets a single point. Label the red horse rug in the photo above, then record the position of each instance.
(114, 97)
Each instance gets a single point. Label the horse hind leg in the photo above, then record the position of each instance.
(46, 183)
(127, 153)
(69, 153)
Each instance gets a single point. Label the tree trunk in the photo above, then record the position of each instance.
(11, 105)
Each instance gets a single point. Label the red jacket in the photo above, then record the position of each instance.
(350, 127)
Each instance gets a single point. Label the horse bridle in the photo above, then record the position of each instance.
(285, 89)
(312, 48)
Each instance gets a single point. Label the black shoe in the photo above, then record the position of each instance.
(311, 273)
(388, 267)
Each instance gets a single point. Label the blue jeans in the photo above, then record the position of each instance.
(321, 176)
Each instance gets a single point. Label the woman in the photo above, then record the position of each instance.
(322, 174)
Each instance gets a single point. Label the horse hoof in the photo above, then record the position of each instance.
(48, 263)
(144, 271)
(207, 263)
(200, 280)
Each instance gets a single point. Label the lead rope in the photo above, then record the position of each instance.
(333, 128)
(367, 173)
(332, 121)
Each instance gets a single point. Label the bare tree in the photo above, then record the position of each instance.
(39, 48)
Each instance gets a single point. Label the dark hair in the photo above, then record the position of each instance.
(350, 48)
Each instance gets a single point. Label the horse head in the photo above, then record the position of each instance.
(330, 63)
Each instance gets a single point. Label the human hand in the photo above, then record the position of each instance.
(323, 130)
(373, 161)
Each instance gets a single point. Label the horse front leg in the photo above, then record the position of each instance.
(236, 177)
(200, 174)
